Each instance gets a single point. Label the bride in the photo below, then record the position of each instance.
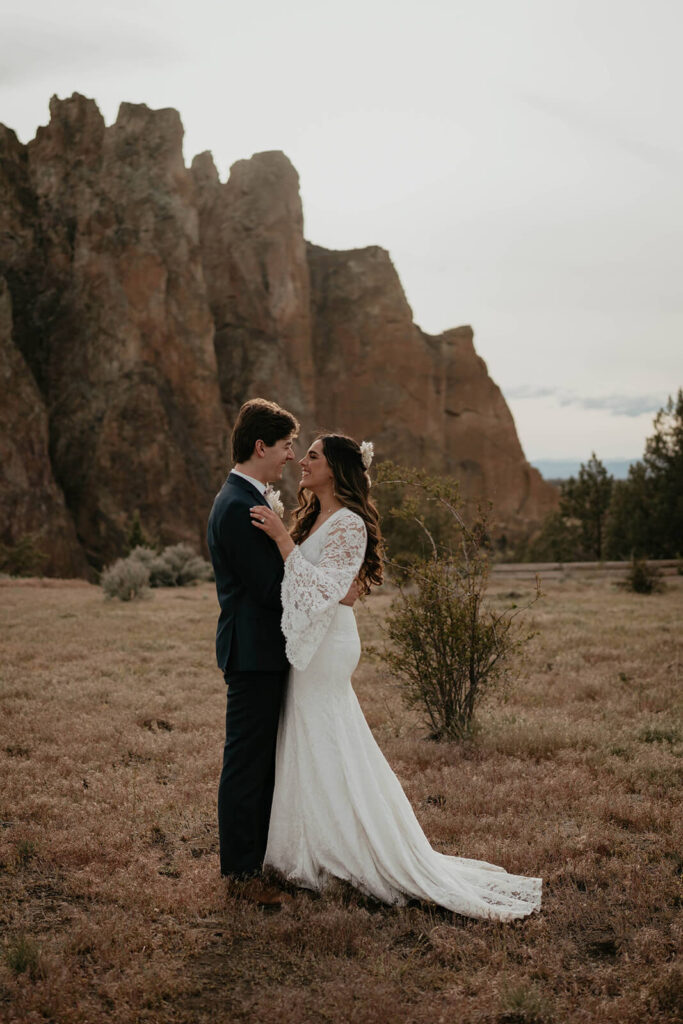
(338, 809)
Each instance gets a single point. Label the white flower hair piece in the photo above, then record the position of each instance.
(367, 452)
(273, 498)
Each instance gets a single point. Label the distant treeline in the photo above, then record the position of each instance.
(559, 470)
(603, 518)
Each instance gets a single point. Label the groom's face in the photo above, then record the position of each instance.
(277, 456)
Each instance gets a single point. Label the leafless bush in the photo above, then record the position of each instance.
(446, 645)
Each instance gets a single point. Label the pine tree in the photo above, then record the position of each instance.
(646, 514)
(663, 460)
(586, 499)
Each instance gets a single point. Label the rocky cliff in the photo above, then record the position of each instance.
(31, 503)
(257, 279)
(113, 321)
(426, 400)
(145, 301)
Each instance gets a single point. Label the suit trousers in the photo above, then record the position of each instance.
(245, 791)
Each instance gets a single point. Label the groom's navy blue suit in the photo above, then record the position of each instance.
(250, 649)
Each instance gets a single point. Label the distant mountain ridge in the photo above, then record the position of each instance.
(562, 469)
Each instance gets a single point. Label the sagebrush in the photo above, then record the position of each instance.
(126, 579)
(175, 566)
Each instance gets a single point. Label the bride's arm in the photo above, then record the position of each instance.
(266, 520)
(311, 593)
(340, 560)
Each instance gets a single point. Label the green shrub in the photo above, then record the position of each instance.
(137, 538)
(24, 558)
(558, 540)
(643, 578)
(22, 956)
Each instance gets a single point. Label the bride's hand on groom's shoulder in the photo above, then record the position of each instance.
(265, 519)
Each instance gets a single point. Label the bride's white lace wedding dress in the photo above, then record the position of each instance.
(338, 809)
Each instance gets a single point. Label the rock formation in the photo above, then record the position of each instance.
(116, 325)
(426, 400)
(331, 336)
(254, 259)
(150, 300)
(31, 504)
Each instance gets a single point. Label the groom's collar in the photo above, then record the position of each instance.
(261, 488)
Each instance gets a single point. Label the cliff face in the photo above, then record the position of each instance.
(120, 340)
(425, 400)
(149, 301)
(480, 439)
(30, 501)
(377, 373)
(254, 259)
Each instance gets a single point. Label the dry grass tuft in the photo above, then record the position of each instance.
(111, 907)
(22, 956)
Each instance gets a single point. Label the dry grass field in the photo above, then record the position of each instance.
(111, 904)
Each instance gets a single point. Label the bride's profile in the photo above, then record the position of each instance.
(338, 809)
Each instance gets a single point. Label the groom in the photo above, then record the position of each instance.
(250, 646)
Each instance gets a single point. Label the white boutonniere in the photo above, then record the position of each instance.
(273, 498)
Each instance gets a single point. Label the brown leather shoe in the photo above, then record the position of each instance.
(255, 890)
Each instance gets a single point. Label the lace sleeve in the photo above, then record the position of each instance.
(311, 593)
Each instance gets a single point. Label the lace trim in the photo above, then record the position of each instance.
(311, 593)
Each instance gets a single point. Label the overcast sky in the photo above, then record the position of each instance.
(521, 160)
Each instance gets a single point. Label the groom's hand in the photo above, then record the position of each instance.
(352, 595)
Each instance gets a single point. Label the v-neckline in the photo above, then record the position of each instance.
(323, 525)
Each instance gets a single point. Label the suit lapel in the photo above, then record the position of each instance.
(239, 481)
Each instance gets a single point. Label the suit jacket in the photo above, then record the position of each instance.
(249, 570)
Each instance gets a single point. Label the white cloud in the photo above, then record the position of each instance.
(615, 404)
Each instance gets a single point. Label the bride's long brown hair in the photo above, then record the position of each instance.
(352, 488)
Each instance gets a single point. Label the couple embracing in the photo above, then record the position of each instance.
(305, 789)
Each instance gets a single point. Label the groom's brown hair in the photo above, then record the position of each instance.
(260, 420)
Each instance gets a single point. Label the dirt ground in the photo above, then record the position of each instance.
(111, 905)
